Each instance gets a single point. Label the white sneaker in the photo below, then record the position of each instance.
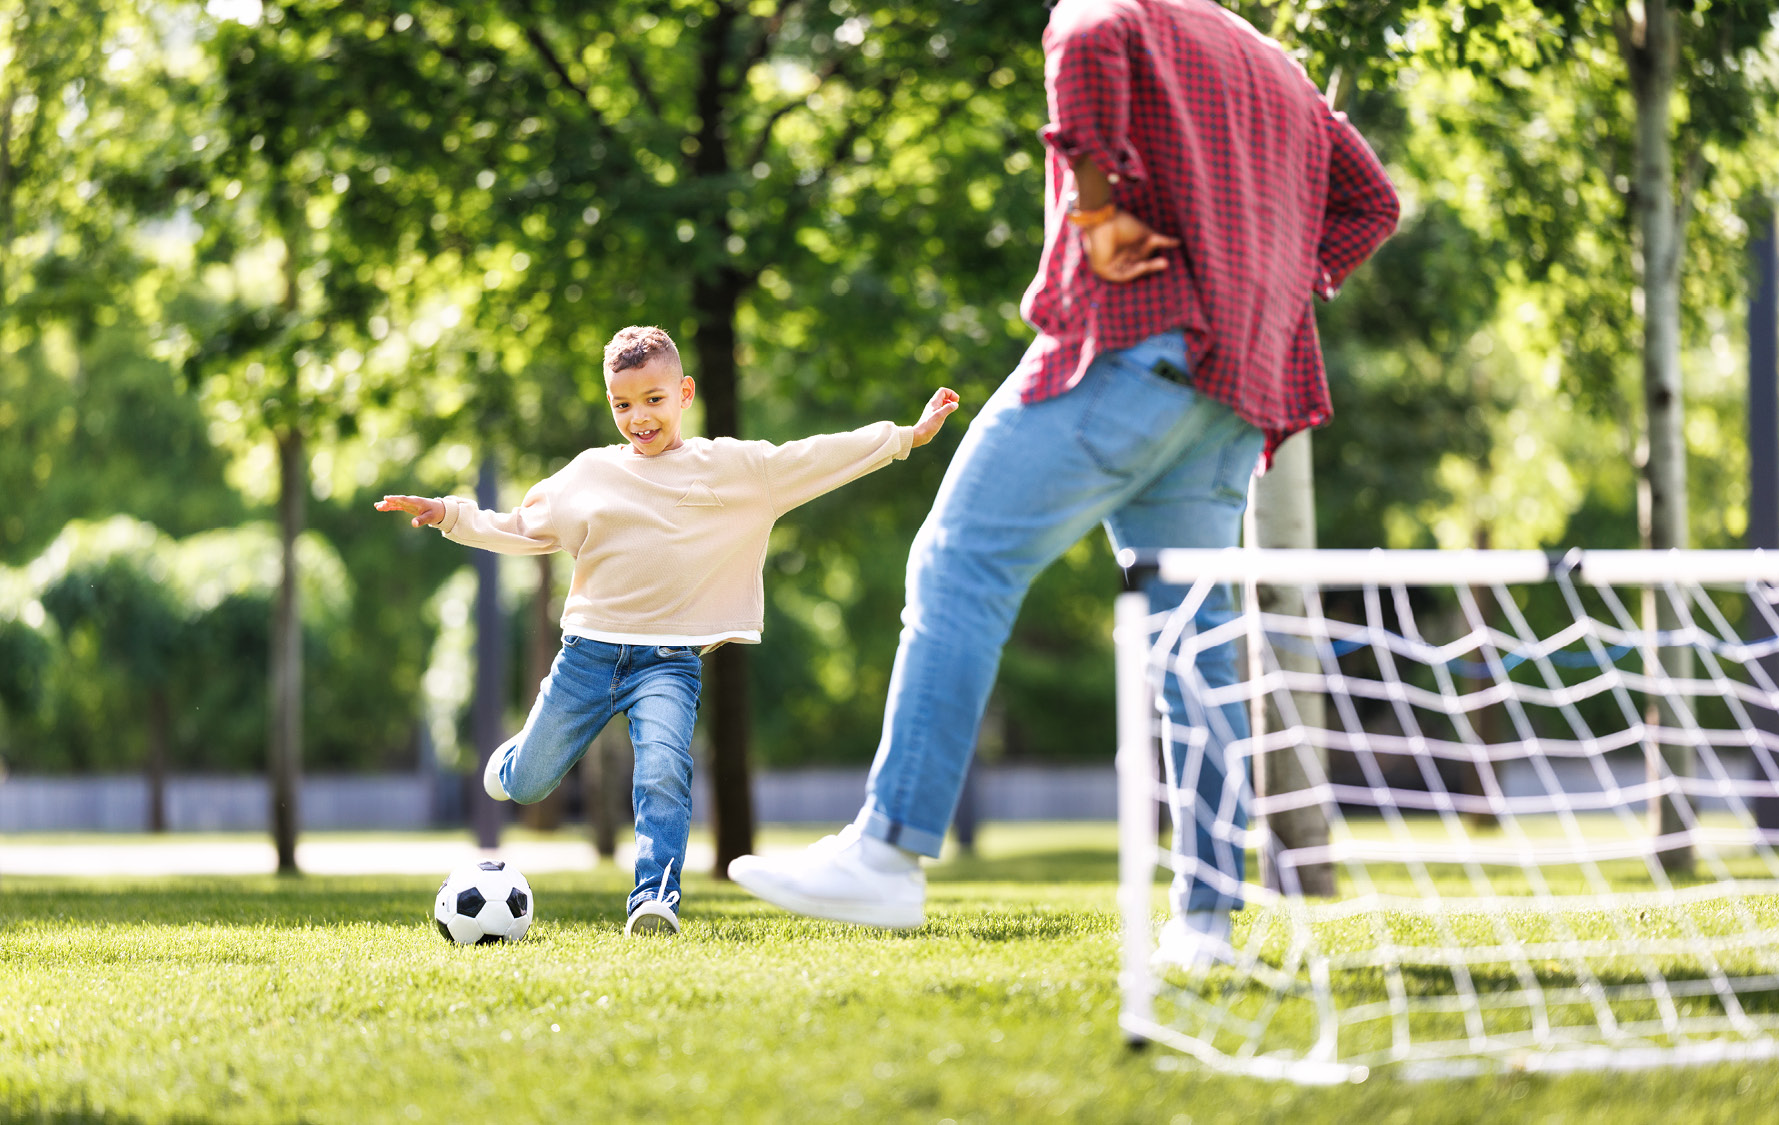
(1194, 942)
(491, 775)
(833, 880)
(652, 916)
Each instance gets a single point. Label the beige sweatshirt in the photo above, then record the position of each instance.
(669, 549)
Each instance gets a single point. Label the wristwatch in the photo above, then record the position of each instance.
(1087, 219)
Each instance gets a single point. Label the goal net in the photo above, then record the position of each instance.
(1479, 810)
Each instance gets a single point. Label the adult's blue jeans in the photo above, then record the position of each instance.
(1146, 456)
(590, 682)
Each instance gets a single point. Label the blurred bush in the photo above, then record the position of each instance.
(118, 635)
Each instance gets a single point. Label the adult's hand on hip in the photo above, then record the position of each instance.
(1124, 248)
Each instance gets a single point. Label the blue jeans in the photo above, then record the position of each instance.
(589, 683)
(1154, 462)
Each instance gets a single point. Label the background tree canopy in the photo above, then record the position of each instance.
(387, 240)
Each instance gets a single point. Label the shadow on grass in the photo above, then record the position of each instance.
(1691, 985)
(20, 1114)
(575, 900)
(267, 901)
(228, 902)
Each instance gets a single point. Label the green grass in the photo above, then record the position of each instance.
(334, 1000)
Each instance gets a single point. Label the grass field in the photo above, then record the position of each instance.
(334, 1000)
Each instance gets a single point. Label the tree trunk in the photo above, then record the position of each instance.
(488, 711)
(286, 748)
(1763, 458)
(1285, 516)
(716, 295)
(540, 652)
(605, 788)
(159, 722)
(714, 301)
(6, 222)
(1650, 53)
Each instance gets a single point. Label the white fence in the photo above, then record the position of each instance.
(405, 801)
(119, 803)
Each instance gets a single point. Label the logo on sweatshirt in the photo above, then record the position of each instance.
(699, 496)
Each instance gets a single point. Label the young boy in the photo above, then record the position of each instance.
(668, 535)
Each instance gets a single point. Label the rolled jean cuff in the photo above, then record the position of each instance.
(878, 826)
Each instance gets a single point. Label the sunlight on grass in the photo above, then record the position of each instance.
(334, 1000)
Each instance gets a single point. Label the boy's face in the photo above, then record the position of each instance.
(647, 402)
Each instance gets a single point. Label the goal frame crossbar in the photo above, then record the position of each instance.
(1380, 567)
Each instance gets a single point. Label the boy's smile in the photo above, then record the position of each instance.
(647, 402)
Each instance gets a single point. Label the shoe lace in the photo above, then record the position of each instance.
(661, 894)
(671, 898)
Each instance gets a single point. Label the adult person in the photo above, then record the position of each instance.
(1200, 190)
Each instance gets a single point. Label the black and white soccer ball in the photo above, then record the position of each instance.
(483, 904)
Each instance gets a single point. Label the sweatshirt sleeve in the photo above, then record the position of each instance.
(526, 530)
(799, 471)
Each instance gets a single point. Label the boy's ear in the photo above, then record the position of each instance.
(687, 390)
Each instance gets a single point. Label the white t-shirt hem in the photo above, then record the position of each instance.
(703, 640)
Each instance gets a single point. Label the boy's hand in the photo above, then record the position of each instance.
(425, 512)
(943, 402)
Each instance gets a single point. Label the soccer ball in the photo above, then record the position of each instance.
(486, 903)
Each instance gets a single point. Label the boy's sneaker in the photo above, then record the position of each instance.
(652, 916)
(846, 878)
(491, 775)
(1194, 941)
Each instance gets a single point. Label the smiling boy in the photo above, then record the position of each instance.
(669, 537)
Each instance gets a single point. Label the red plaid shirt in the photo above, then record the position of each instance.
(1212, 134)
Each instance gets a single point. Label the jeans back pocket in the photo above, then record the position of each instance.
(1132, 407)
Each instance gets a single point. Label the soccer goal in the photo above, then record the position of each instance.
(1484, 810)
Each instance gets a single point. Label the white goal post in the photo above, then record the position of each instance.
(1530, 822)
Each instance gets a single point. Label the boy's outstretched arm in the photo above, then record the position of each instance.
(426, 512)
(799, 471)
(943, 402)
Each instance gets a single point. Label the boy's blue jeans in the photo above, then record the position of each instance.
(1159, 466)
(589, 683)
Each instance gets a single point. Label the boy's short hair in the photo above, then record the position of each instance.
(636, 346)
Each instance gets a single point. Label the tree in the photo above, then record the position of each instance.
(88, 421)
(290, 358)
(1347, 44)
(1680, 63)
(723, 168)
(142, 631)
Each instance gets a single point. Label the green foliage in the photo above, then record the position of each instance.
(376, 650)
(89, 424)
(481, 195)
(129, 613)
(61, 257)
(476, 196)
(406, 228)
(23, 656)
(96, 426)
(1503, 320)
(135, 622)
